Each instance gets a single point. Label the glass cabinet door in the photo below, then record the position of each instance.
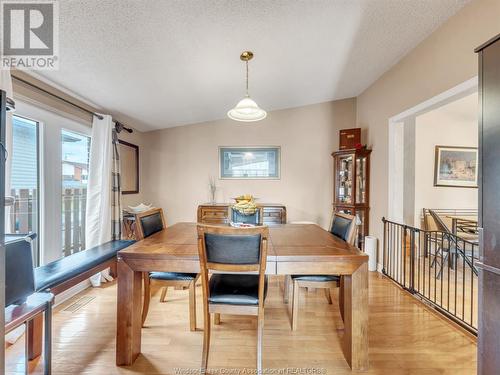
(345, 179)
(361, 167)
(360, 223)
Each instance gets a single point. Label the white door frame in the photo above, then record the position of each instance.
(396, 142)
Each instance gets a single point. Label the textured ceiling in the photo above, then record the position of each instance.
(162, 63)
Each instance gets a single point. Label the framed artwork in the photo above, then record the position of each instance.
(456, 166)
(249, 162)
(129, 159)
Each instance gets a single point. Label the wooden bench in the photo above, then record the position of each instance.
(64, 273)
(22, 303)
(34, 306)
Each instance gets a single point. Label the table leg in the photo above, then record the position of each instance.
(128, 329)
(356, 318)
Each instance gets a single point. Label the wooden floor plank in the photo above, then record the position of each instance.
(404, 337)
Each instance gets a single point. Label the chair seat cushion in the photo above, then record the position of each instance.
(232, 289)
(66, 268)
(318, 278)
(172, 276)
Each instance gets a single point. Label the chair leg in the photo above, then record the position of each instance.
(327, 295)
(163, 297)
(260, 333)
(26, 351)
(206, 338)
(35, 336)
(147, 296)
(295, 304)
(216, 318)
(192, 306)
(48, 340)
(286, 288)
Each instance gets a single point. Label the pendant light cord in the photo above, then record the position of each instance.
(247, 76)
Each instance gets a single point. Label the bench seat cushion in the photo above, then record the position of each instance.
(172, 276)
(319, 278)
(66, 268)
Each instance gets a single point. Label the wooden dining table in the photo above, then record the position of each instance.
(293, 249)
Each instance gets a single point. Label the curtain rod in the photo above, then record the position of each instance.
(57, 97)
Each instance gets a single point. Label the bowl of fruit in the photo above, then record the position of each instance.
(245, 204)
(244, 198)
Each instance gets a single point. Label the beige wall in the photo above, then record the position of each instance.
(183, 158)
(442, 61)
(447, 127)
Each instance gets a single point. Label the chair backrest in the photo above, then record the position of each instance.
(344, 226)
(19, 272)
(440, 225)
(427, 220)
(149, 222)
(237, 217)
(233, 250)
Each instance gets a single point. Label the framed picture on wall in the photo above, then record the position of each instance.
(249, 162)
(456, 166)
(129, 163)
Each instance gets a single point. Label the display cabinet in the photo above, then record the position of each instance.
(351, 193)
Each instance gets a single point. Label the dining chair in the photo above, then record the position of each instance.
(448, 247)
(342, 226)
(147, 224)
(239, 285)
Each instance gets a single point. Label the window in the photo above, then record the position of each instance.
(249, 162)
(75, 150)
(22, 214)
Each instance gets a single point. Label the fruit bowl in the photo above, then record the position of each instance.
(243, 198)
(245, 205)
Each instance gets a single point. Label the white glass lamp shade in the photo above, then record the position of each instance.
(247, 111)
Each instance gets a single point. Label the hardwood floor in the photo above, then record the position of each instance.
(405, 337)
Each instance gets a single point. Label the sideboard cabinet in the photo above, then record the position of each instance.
(219, 213)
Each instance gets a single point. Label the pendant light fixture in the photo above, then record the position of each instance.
(247, 110)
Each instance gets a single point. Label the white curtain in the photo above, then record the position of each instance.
(6, 85)
(99, 188)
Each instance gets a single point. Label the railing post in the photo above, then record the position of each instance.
(405, 247)
(383, 246)
(412, 260)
